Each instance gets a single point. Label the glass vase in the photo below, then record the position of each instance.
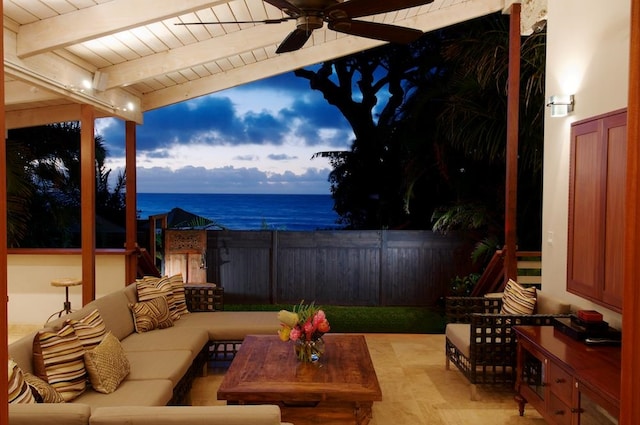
(309, 351)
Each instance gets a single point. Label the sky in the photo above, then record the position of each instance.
(255, 138)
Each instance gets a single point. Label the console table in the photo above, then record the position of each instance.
(567, 381)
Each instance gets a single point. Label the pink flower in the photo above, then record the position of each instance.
(309, 329)
(295, 333)
(318, 317)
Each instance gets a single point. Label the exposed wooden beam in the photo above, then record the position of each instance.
(513, 109)
(630, 374)
(16, 92)
(4, 302)
(278, 64)
(42, 116)
(131, 210)
(98, 21)
(88, 203)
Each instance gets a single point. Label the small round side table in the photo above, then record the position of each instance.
(65, 283)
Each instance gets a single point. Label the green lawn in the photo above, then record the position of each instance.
(369, 319)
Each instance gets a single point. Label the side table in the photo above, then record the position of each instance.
(204, 296)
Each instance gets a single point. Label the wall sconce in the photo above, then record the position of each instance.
(561, 105)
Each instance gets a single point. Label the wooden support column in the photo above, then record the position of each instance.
(131, 205)
(88, 202)
(511, 180)
(4, 316)
(630, 374)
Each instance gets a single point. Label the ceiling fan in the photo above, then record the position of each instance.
(340, 16)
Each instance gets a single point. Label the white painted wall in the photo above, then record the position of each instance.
(588, 56)
(32, 299)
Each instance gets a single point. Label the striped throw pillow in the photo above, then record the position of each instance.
(177, 285)
(19, 390)
(150, 287)
(107, 365)
(517, 299)
(46, 392)
(58, 359)
(90, 329)
(152, 314)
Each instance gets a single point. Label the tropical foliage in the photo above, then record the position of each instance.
(44, 189)
(430, 132)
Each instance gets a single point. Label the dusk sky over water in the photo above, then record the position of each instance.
(255, 138)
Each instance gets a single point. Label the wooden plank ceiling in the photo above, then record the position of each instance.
(126, 57)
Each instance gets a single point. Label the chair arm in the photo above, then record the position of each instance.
(496, 328)
(459, 309)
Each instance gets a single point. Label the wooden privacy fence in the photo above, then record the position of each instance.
(373, 268)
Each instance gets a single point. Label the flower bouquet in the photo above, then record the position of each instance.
(305, 326)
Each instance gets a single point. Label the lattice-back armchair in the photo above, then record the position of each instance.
(480, 341)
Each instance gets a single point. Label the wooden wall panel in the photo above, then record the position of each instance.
(335, 267)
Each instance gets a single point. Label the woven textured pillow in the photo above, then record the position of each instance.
(517, 299)
(19, 389)
(150, 287)
(46, 392)
(90, 329)
(152, 314)
(58, 359)
(177, 285)
(107, 365)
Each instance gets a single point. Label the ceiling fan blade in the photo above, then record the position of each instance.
(294, 41)
(384, 32)
(359, 8)
(286, 7)
(263, 21)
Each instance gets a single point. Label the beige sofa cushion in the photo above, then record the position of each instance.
(48, 414)
(167, 339)
(114, 310)
(156, 392)
(171, 365)
(192, 415)
(232, 325)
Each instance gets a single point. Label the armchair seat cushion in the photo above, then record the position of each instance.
(459, 335)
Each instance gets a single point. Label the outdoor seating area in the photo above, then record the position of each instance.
(479, 338)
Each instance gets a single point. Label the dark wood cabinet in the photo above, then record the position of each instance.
(565, 380)
(596, 208)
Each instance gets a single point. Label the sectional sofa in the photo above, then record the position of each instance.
(161, 354)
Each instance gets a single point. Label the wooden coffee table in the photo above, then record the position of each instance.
(340, 388)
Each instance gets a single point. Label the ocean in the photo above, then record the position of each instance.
(247, 212)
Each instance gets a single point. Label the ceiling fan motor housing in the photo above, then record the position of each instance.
(309, 22)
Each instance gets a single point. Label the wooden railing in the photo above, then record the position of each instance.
(493, 277)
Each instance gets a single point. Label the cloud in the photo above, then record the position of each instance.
(277, 124)
(282, 157)
(230, 180)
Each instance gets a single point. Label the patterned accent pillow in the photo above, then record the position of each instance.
(58, 359)
(177, 285)
(517, 299)
(150, 287)
(19, 389)
(46, 392)
(90, 329)
(152, 314)
(107, 365)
